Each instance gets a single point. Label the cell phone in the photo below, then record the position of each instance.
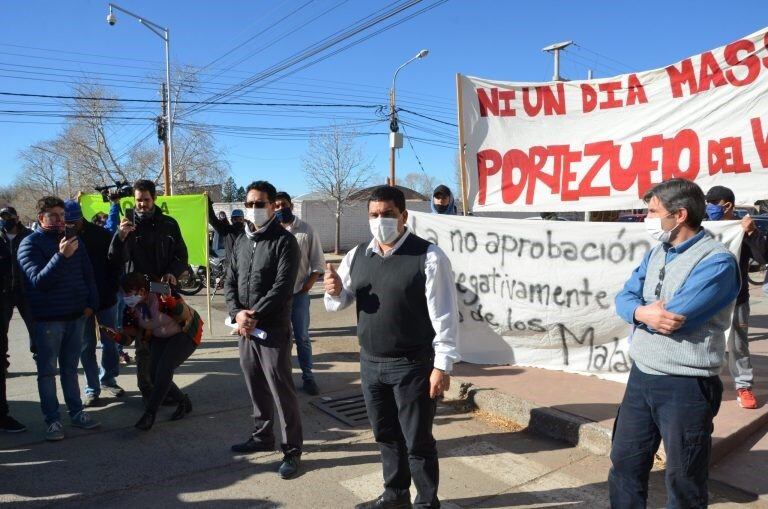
(161, 288)
(129, 214)
(70, 232)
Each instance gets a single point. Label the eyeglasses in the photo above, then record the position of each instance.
(256, 204)
(661, 282)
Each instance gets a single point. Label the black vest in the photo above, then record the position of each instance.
(392, 314)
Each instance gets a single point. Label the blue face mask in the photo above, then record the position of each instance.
(284, 215)
(715, 212)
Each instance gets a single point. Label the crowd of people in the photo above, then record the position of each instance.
(77, 282)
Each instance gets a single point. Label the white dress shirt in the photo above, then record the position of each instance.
(439, 289)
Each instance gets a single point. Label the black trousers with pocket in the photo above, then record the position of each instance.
(678, 410)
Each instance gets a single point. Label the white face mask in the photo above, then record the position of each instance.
(256, 216)
(384, 229)
(132, 300)
(655, 230)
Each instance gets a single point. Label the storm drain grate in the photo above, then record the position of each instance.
(348, 408)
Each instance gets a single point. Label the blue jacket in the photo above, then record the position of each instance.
(58, 288)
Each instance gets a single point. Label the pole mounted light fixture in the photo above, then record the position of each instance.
(396, 138)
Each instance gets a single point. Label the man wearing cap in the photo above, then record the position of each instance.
(12, 232)
(229, 232)
(720, 206)
(62, 293)
(107, 273)
(311, 265)
(442, 201)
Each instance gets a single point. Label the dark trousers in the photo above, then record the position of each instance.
(401, 414)
(678, 410)
(8, 301)
(267, 370)
(167, 354)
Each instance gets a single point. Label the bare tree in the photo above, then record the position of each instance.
(334, 166)
(90, 151)
(421, 183)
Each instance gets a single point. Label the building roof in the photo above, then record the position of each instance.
(409, 193)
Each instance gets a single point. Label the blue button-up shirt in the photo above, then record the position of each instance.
(711, 285)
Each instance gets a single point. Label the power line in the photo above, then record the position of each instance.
(116, 99)
(427, 117)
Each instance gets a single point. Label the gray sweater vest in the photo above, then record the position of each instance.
(697, 352)
(390, 293)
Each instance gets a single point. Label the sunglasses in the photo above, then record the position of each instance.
(661, 282)
(256, 204)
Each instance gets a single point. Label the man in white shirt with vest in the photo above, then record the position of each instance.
(407, 327)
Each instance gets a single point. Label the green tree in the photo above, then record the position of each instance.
(229, 190)
(240, 194)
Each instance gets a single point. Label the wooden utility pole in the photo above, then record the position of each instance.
(163, 135)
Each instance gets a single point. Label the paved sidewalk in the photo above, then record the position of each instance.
(486, 461)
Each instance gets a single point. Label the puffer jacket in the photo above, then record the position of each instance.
(58, 288)
(261, 275)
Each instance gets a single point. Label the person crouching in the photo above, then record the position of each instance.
(173, 330)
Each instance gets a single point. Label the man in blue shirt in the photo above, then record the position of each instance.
(720, 206)
(679, 300)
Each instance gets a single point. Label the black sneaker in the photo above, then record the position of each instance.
(253, 446)
(290, 465)
(90, 400)
(380, 503)
(310, 387)
(113, 390)
(11, 425)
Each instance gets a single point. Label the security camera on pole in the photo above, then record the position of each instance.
(163, 33)
(395, 137)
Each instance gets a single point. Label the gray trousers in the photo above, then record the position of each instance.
(267, 370)
(738, 348)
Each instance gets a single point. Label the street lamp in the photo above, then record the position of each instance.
(396, 138)
(162, 32)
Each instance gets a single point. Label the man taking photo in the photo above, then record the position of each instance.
(151, 244)
(62, 294)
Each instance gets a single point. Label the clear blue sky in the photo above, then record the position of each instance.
(47, 45)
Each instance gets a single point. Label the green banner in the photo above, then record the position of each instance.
(190, 211)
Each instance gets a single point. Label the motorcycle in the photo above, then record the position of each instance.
(194, 279)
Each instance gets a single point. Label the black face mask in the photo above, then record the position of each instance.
(7, 224)
(441, 208)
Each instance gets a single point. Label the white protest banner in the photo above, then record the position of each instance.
(541, 293)
(601, 144)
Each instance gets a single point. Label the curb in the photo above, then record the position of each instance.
(544, 421)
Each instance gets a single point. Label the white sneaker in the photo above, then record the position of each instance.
(55, 432)
(84, 421)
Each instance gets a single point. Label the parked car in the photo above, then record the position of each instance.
(632, 218)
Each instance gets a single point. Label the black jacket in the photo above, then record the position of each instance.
(11, 276)
(753, 246)
(107, 271)
(155, 248)
(260, 276)
(230, 232)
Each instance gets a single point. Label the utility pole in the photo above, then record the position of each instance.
(555, 50)
(162, 135)
(395, 138)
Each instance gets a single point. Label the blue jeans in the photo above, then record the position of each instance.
(110, 362)
(300, 324)
(678, 410)
(58, 343)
